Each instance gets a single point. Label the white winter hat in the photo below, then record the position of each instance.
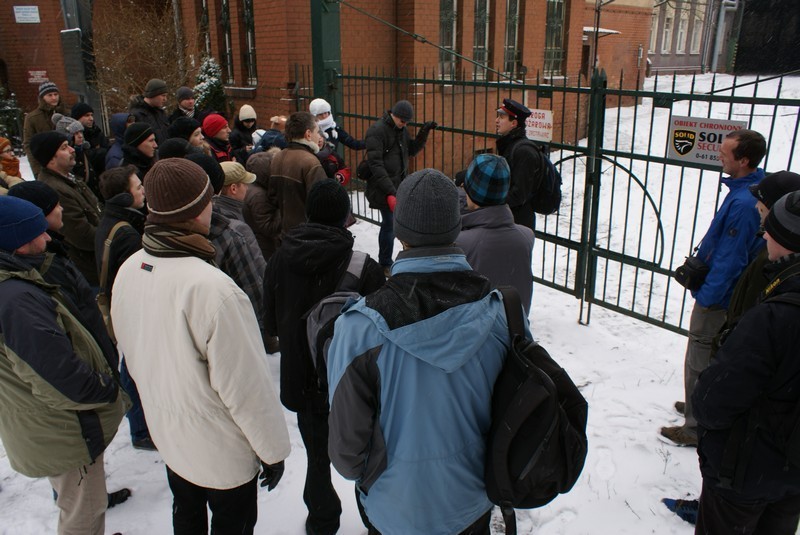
(318, 106)
(247, 112)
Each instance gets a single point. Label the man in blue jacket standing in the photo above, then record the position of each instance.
(729, 245)
(411, 369)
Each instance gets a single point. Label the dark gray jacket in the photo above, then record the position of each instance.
(388, 151)
(499, 249)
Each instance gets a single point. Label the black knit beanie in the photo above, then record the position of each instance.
(183, 127)
(212, 168)
(328, 203)
(38, 193)
(783, 221)
(80, 109)
(174, 147)
(44, 146)
(427, 211)
(136, 133)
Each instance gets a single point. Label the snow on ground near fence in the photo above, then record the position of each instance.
(630, 373)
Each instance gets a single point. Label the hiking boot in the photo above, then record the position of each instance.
(118, 497)
(144, 444)
(680, 406)
(686, 509)
(679, 436)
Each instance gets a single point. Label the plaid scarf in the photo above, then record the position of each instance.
(178, 239)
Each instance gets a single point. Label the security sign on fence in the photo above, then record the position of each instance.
(697, 139)
(539, 125)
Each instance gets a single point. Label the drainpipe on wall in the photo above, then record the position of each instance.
(726, 6)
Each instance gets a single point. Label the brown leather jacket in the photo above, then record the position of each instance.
(39, 120)
(293, 172)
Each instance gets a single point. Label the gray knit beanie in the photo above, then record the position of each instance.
(403, 110)
(783, 221)
(427, 211)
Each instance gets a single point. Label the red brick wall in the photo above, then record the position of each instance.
(25, 47)
(618, 53)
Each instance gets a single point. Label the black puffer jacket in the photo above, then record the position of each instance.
(526, 175)
(756, 364)
(388, 151)
(155, 117)
(127, 240)
(305, 268)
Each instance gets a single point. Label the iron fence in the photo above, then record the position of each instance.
(629, 214)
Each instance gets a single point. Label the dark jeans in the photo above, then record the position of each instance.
(386, 238)
(324, 506)
(233, 511)
(135, 415)
(482, 526)
(718, 515)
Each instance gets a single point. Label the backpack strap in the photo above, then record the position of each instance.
(513, 307)
(106, 253)
(351, 278)
(516, 327)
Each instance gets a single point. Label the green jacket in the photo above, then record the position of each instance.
(60, 405)
(81, 217)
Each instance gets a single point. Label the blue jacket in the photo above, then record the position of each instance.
(118, 124)
(411, 370)
(731, 241)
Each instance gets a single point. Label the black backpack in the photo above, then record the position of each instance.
(537, 443)
(320, 318)
(547, 199)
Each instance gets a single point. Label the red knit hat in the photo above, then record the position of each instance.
(213, 123)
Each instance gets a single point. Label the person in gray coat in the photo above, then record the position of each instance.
(496, 247)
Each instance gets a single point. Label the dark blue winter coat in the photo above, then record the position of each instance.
(118, 124)
(731, 242)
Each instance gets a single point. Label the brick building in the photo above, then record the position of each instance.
(265, 50)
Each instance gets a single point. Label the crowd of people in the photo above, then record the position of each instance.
(150, 275)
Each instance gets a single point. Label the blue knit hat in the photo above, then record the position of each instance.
(20, 222)
(487, 180)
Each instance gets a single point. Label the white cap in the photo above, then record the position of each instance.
(318, 106)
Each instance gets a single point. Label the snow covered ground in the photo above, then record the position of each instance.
(630, 373)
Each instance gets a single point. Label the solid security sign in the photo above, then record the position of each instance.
(539, 125)
(697, 139)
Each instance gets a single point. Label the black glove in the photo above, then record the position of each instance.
(271, 475)
(429, 125)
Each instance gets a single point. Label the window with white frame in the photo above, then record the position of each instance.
(683, 30)
(698, 25)
(653, 32)
(666, 33)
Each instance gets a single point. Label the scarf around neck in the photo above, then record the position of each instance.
(187, 238)
(11, 166)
